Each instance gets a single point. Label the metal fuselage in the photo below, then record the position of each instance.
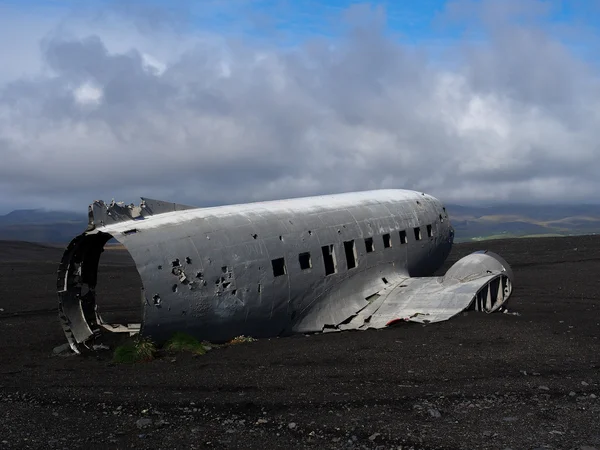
(275, 268)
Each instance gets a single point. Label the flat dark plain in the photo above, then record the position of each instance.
(524, 380)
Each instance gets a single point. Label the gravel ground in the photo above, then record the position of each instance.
(524, 380)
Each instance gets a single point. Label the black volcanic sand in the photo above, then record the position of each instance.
(523, 380)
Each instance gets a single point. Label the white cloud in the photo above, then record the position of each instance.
(88, 94)
(153, 65)
(107, 111)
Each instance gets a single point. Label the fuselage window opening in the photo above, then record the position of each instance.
(387, 241)
(429, 231)
(403, 238)
(350, 250)
(418, 233)
(329, 259)
(304, 259)
(369, 245)
(441, 218)
(279, 268)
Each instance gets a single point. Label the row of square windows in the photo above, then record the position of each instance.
(329, 258)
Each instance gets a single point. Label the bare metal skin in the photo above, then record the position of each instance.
(347, 261)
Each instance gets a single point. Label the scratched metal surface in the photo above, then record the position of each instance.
(210, 271)
(222, 284)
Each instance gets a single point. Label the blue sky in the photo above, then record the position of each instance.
(426, 24)
(293, 20)
(422, 21)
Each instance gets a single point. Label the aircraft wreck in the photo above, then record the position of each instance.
(336, 262)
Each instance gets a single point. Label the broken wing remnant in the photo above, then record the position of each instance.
(486, 288)
(336, 262)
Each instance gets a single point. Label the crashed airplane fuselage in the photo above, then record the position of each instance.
(347, 261)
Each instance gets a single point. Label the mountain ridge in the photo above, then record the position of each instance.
(470, 222)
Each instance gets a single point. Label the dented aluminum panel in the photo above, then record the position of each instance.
(347, 261)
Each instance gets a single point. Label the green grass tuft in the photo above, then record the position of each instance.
(181, 342)
(137, 350)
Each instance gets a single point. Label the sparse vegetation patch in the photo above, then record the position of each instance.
(136, 350)
(182, 342)
(241, 340)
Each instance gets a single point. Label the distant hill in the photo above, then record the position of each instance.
(470, 222)
(38, 225)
